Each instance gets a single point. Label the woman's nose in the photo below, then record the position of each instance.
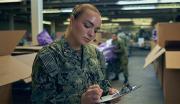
(91, 33)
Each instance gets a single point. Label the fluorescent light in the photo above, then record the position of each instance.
(145, 7)
(142, 21)
(138, 7)
(165, 6)
(104, 18)
(136, 21)
(120, 2)
(110, 24)
(121, 20)
(9, 1)
(47, 22)
(64, 10)
(51, 11)
(169, 1)
(145, 26)
(68, 19)
(66, 23)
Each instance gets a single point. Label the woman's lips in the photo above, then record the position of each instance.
(86, 39)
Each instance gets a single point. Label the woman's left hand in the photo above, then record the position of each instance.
(113, 91)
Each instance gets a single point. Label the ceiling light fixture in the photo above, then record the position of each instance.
(47, 22)
(104, 18)
(66, 23)
(51, 11)
(10, 1)
(122, 20)
(64, 10)
(125, 2)
(138, 7)
(142, 21)
(120, 2)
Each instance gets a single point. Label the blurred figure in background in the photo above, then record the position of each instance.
(120, 64)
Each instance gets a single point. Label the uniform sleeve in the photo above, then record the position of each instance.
(120, 48)
(43, 84)
(104, 84)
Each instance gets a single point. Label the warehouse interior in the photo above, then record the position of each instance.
(151, 27)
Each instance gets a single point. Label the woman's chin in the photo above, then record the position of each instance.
(84, 42)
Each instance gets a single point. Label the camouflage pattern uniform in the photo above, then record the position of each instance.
(121, 63)
(61, 75)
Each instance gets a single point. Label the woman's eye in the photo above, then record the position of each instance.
(87, 25)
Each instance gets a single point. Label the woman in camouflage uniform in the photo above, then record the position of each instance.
(71, 71)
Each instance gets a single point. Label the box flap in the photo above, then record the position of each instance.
(172, 59)
(35, 48)
(9, 40)
(12, 70)
(153, 55)
(153, 52)
(27, 59)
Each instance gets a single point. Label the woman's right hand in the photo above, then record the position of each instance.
(92, 95)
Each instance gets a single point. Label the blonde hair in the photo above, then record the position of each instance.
(79, 10)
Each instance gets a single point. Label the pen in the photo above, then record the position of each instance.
(107, 83)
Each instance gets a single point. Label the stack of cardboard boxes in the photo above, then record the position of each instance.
(167, 56)
(11, 69)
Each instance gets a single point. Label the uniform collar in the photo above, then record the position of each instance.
(73, 54)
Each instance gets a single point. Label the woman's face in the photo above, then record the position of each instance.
(114, 37)
(84, 28)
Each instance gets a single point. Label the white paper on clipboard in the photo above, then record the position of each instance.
(114, 96)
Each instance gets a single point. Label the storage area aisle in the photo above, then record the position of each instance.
(151, 91)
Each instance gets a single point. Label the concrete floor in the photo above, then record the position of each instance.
(151, 91)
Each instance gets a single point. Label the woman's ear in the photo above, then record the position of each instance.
(71, 20)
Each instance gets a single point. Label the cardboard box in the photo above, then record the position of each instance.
(29, 53)
(171, 89)
(172, 60)
(28, 48)
(6, 94)
(27, 59)
(169, 75)
(153, 44)
(11, 70)
(167, 32)
(168, 67)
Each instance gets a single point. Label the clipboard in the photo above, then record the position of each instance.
(120, 93)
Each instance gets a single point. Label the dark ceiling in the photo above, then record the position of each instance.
(108, 8)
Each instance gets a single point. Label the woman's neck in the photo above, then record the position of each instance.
(72, 42)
